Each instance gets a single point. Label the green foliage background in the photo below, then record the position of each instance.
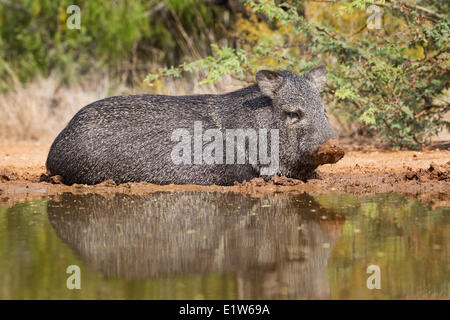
(392, 83)
(123, 36)
(388, 80)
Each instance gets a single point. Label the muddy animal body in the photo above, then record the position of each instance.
(129, 138)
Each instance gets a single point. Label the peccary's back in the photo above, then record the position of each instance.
(128, 138)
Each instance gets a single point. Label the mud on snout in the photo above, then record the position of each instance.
(329, 152)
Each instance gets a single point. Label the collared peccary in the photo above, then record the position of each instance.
(157, 241)
(131, 138)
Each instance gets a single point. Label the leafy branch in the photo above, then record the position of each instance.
(376, 81)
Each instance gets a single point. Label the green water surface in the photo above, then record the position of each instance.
(199, 245)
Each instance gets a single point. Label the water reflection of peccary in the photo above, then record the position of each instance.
(129, 138)
(269, 246)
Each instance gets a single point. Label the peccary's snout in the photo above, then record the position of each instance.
(329, 152)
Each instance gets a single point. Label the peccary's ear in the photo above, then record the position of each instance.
(269, 82)
(318, 76)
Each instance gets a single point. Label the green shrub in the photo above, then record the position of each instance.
(389, 80)
(122, 36)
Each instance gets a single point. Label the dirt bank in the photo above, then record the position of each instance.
(423, 173)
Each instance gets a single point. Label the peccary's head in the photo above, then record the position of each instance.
(306, 137)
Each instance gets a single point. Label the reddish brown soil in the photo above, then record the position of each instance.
(330, 152)
(422, 173)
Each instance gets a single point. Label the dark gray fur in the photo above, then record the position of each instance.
(127, 138)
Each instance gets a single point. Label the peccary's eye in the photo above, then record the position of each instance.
(294, 115)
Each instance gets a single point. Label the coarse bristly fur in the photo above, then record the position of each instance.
(128, 138)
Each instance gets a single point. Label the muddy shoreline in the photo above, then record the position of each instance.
(420, 174)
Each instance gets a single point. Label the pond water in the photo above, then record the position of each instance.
(199, 245)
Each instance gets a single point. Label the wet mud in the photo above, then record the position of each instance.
(424, 174)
